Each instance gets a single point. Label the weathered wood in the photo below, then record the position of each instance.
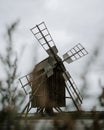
(52, 92)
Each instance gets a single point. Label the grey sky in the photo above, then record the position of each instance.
(69, 22)
(82, 19)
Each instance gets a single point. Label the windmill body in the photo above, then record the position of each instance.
(50, 80)
(52, 90)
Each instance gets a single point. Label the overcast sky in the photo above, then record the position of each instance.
(69, 22)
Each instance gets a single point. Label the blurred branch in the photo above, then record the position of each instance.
(8, 87)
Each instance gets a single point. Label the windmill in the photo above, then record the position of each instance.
(50, 80)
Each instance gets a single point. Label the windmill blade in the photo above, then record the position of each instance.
(27, 81)
(75, 53)
(42, 34)
(73, 90)
(72, 85)
(72, 96)
(27, 107)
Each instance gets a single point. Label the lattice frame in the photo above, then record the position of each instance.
(75, 53)
(42, 34)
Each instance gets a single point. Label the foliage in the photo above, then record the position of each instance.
(11, 97)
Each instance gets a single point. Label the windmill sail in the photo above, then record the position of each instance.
(75, 53)
(42, 34)
(25, 81)
(73, 90)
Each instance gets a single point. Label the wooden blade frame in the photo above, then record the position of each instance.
(73, 91)
(75, 53)
(42, 34)
(25, 81)
(28, 82)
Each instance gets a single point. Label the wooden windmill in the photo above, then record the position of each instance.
(50, 80)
